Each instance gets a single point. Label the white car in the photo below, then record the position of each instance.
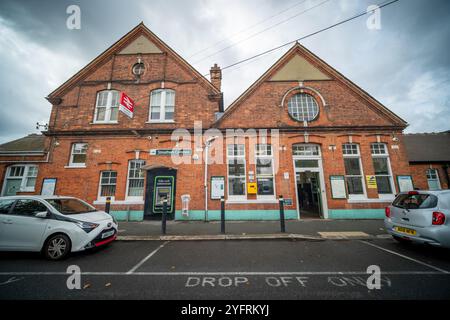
(421, 217)
(53, 225)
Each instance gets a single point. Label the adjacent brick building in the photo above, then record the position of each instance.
(302, 131)
(429, 158)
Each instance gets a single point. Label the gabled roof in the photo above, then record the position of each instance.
(323, 69)
(33, 143)
(138, 31)
(428, 147)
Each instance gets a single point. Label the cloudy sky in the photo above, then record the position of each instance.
(405, 64)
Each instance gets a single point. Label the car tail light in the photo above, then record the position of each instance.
(438, 218)
(413, 193)
(388, 212)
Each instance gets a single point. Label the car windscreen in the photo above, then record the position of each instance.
(70, 206)
(415, 201)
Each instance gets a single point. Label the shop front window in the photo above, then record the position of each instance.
(382, 168)
(353, 170)
(236, 170)
(264, 170)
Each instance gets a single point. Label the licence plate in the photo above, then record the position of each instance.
(107, 234)
(410, 232)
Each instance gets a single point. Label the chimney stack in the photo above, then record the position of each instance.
(216, 76)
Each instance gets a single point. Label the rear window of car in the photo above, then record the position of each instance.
(415, 201)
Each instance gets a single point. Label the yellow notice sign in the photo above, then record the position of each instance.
(252, 188)
(371, 182)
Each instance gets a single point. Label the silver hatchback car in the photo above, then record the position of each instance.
(420, 216)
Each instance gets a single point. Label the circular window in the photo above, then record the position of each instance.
(138, 69)
(303, 107)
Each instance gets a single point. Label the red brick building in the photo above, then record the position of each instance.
(429, 159)
(304, 131)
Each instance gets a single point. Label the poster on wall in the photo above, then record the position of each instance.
(371, 182)
(405, 183)
(48, 187)
(217, 187)
(338, 190)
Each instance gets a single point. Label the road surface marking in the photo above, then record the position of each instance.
(343, 234)
(146, 258)
(312, 273)
(405, 257)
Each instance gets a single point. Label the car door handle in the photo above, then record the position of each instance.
(7, 221)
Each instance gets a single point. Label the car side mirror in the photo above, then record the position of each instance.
(43, 214)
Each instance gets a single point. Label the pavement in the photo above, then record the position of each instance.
(253, 230)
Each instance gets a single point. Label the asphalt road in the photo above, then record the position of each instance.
(278, 269)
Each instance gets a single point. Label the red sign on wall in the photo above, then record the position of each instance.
(126, 104)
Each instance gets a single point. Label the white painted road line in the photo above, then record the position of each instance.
(405, 257)
(165, 274)
(146, 258)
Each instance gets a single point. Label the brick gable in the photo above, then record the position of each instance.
(342, 103)
(74, 101)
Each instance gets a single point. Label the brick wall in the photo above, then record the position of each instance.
(76, 111)
(418, 171)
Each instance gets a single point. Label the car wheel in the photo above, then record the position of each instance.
(57, 247)
(402, 240)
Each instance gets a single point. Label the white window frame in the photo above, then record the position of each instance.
(108, 107)
(303, 103)
(72, 153)
(436, 171)
(232, 157)
(24, 178)
(162, 107)
(305, 150)
(383, 153)
(100, 198)
(127, 197)
(353, 156)
(271, 158)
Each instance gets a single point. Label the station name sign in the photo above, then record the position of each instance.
(170, 152)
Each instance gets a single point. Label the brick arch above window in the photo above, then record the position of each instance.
(303, 104)
(301, 89)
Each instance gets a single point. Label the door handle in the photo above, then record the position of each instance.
(7, 222)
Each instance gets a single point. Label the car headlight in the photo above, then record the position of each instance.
(114, 219)
(86, 226)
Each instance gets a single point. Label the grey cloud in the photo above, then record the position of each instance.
(413, 42)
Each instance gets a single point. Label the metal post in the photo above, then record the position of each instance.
(164, 217)
(282, 222)
(222, 215)
(108, 204)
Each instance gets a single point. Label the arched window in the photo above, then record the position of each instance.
(162, 105)
(303, 107)
(107, 107)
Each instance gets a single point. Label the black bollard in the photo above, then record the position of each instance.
(222, 215)
(108, 204)
(282, 222)
(164, 217)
